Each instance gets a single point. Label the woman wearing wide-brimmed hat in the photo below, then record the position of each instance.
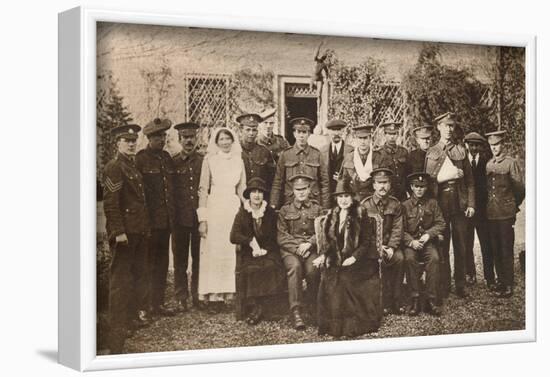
(349, 294)
(259, 269)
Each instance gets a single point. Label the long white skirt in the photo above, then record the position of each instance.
(217, 260)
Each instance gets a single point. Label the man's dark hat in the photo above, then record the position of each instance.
(423, 131)
(302, 124)
(157, 125)
(495, 137)
(127, 131)
(419, 178)
(300, 180)
(249, 120)
(391, 127)
(363, 129)
(336, 124)
(381, 173)
(187, 128)
(445, 118)
(474, 137)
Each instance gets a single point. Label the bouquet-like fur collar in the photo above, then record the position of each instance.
(256, 214)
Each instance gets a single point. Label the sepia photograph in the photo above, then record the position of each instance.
(259, 188)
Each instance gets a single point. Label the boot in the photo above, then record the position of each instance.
(415, 307)
(297, 320)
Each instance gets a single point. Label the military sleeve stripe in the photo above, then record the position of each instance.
(113, 187)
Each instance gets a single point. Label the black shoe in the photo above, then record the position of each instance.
(415, 307)
(255, 316)
(163, 311)
(398, 310)
(498, 290)
(507, 292)
(143, 319)
(470, 280)
(434, 309)
(491, 286)
(461, 292)
(182, 306)
(297, 320)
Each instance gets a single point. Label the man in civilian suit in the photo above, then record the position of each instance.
(478, 223)
(333, 153)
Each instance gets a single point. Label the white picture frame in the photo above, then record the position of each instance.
(77, 204)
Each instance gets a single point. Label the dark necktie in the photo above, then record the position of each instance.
(474, 163)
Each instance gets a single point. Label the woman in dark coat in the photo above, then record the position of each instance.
(349, 300)
(260, 272)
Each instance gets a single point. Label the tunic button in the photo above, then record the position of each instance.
(191, 178)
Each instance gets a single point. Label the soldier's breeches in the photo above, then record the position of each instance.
(129, 283)
(298, 268)
(158, 248)
(392, 278)
(501, 235)
(429, 256)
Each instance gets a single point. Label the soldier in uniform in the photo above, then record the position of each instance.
(274, 143)
(156, 166)
(296, 238)
(453, 186)
(389, 208)
(478, 223)
(127, 229)
(506, 192)
(398, 157)
(187, 172)
(424, 223)
(332, 154)
(257, 159)
(301, 158)
(358, 165)
(417, 158)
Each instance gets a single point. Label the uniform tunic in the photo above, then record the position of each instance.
(296, 160)
(275, 144)
(187, 170)
(389, 208)
(258, 162)
(397, 156)
(157, 170)
(126, 213)
(506, 192)
(296, 225)
(453, 198)
(422, 216)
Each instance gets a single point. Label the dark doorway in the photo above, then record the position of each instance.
(299, 107)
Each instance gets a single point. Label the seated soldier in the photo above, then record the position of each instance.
(389, 208)
(424, 222)
(296, 238)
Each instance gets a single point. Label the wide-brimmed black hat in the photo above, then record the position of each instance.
(343, 186)
(255, 183)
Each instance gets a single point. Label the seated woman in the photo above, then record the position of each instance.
(349, 300)
(260, 270)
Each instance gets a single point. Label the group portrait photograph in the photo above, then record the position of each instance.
(261, 188)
